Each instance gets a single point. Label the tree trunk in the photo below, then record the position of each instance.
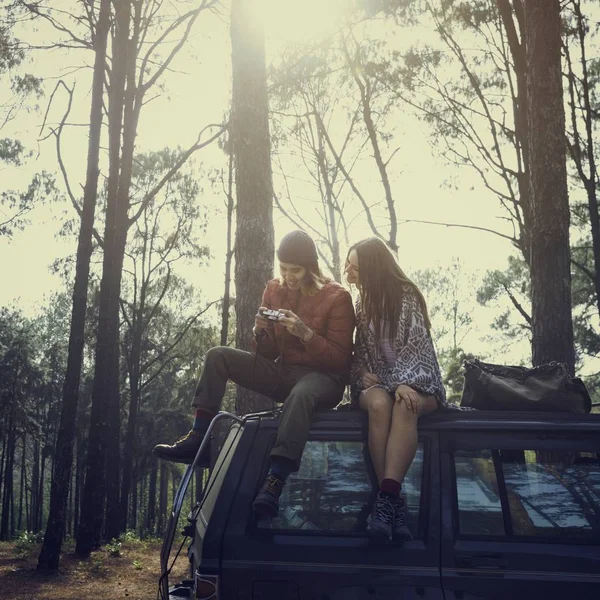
(40, 500)
(50, 553)
(8, 475)
(22, 484)
(131, 109)
(228, 256)
(78, 482)
(590, 180)
(68, 530)
(550, 252)
(132, 521)
(129, 449)
(254, 246)
(162, 499)
(515, 36)
(35, 482)
(151, 513)
(4, 436)
(106, 385)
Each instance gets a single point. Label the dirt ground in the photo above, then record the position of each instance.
(132, 576)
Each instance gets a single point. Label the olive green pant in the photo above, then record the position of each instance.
(301, 390)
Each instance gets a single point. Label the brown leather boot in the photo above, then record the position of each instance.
(183, 450)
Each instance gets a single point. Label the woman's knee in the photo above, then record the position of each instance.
(378, 404)
(404, 414)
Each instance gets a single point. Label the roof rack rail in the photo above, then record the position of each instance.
(169, 536)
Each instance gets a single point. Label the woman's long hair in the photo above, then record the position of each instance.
(382, 286)
(314, 280)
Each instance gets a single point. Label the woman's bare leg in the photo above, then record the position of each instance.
(402, 440)
(379, 405)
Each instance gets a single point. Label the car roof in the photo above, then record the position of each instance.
(449, 419)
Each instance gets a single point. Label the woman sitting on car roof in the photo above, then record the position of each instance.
(395, 374)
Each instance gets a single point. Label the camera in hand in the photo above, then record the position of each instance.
(272, 315)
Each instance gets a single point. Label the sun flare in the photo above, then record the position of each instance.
(297, 22)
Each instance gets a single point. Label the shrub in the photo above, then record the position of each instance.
(114, 548)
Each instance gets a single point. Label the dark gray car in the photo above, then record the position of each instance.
(501, 505)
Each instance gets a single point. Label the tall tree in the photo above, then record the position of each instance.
(230, 206)
(254, 244)
(140, 36)
(552, 322)
(583, 147)
(50, 553)
(168, 231)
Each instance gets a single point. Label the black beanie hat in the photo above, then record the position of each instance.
(298, 248)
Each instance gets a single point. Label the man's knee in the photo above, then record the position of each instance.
(218, 355)
(317, 389)
(301, 401)
(215, 353)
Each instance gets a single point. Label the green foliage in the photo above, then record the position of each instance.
(27, 542)
(130, 536)
(11, 151)
(446, 291)
(113, 548)
(453, 360)
(15, 205)
(21, 85)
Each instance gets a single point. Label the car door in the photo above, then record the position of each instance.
(317, 548)
(521, 515)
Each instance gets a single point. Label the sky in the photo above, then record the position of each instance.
(197, 93)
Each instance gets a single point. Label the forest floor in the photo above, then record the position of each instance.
(128, 572)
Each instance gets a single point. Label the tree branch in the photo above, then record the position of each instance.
(182, 160)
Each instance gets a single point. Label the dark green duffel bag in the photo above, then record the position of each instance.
(544, 388)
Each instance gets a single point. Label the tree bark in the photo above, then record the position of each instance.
(162, 499)
(590, 180)
(35, 483)
(510, 18)
(228, 256)
(106, 386)
(550, 252)
(254, 245)
(22, 483)
(132, 521)
(8, 475)
(50, 553)
(151, 512)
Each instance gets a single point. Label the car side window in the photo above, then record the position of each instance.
(479, 506)
(334, 488)
(528, 494)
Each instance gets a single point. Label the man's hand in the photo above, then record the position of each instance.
(295, 326)
(405, 393)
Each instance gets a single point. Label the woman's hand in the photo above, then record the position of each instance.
(405, 393)
(261, 322)
(295, 326)
(369, 379)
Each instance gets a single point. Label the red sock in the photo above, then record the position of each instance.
(202, 419)
(391, 487)
(203, 413)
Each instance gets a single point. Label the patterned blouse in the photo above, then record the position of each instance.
(416, 363)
